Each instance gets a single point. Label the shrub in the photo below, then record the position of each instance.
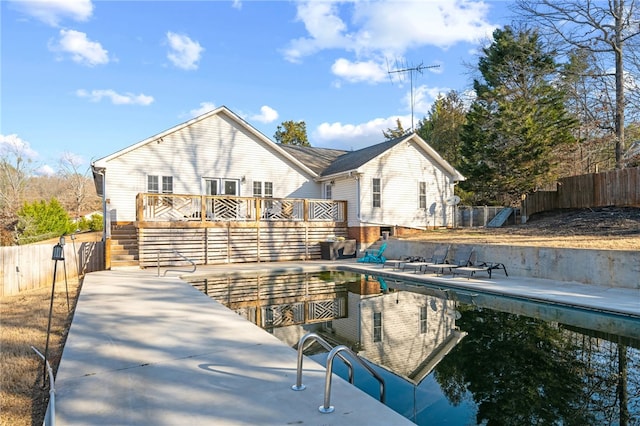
(41, 219)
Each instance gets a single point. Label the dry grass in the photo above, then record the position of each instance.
(604, 228)
(24, 319)
(500, 237)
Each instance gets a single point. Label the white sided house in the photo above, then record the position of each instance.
(215, 189)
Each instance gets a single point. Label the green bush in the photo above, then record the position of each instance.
(41, 219)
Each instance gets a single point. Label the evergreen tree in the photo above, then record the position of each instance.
(395, 133)
(443, 126)
(516, 121)
(292, 133)
(41, 220)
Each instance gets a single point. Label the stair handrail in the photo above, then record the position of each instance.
(177, 270)
(299, 386)
(327, 407)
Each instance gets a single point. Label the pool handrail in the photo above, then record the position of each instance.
(326, 407)
(299, 386)
(177, 270)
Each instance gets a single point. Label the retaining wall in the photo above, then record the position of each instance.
(607, 268)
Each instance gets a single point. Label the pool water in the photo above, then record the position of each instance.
(449, 356)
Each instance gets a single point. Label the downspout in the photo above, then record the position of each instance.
(357, 196)
(106, 226)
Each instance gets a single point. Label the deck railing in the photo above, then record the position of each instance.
(208, 208)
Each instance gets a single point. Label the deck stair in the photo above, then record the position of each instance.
(124, 246)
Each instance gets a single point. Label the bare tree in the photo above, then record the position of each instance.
(77, 181)
(16, 168)
(603, 28)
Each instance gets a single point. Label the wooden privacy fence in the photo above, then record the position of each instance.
(620, 187)
(31, 266)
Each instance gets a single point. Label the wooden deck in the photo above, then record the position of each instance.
(174, 229)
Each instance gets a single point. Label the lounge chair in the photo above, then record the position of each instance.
(480, 266)
(461, 259)
(439, 256)
(374, 256)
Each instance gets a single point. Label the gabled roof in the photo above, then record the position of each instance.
(102, 162)
(317, 159)
(331, 162)
(354, 159)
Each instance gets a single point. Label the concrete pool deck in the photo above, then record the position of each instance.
(144, 349)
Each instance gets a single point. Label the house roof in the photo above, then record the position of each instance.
(331, 162)
(354, 159)
(317, 159)
(100, 165)
(318, 162)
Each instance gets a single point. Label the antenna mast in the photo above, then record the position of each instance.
(411, 71)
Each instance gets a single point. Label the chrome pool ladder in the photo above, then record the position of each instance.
(333, 352)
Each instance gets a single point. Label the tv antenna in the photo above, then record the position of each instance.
(411, 70)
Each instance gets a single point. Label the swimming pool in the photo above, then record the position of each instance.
(454, 356)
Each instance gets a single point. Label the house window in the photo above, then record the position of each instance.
(422, 195)
(257, 188)
(167, 184)
(327, 191)
(376, 192)
(268, 189)
(423, 319)
(377, 326)
(262, 189)
(152, 184)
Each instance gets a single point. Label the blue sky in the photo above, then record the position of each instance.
(84, 79)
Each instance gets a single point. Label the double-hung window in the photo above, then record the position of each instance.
(328, 191)
(153, 184)
(376, 191)
(167, 184)
(264, 190)
(422, 195)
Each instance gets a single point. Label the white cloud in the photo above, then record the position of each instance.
(236, 4)
(11, 145)
(45, 170)
(423, 98)
(116, 98)
(324, 25)
(51, 12)
(355, 72)
(357, 136)
(267, 115)
(388, 28)
(204, 108)
(71, 160)
(185, 53)
(81, 49)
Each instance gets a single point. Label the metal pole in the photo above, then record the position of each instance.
(46, 348)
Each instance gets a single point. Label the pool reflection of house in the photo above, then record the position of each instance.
(405, 332)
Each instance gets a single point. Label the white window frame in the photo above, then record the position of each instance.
(422, 195)
(376, 195)
(328, 191)
(163, 184)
